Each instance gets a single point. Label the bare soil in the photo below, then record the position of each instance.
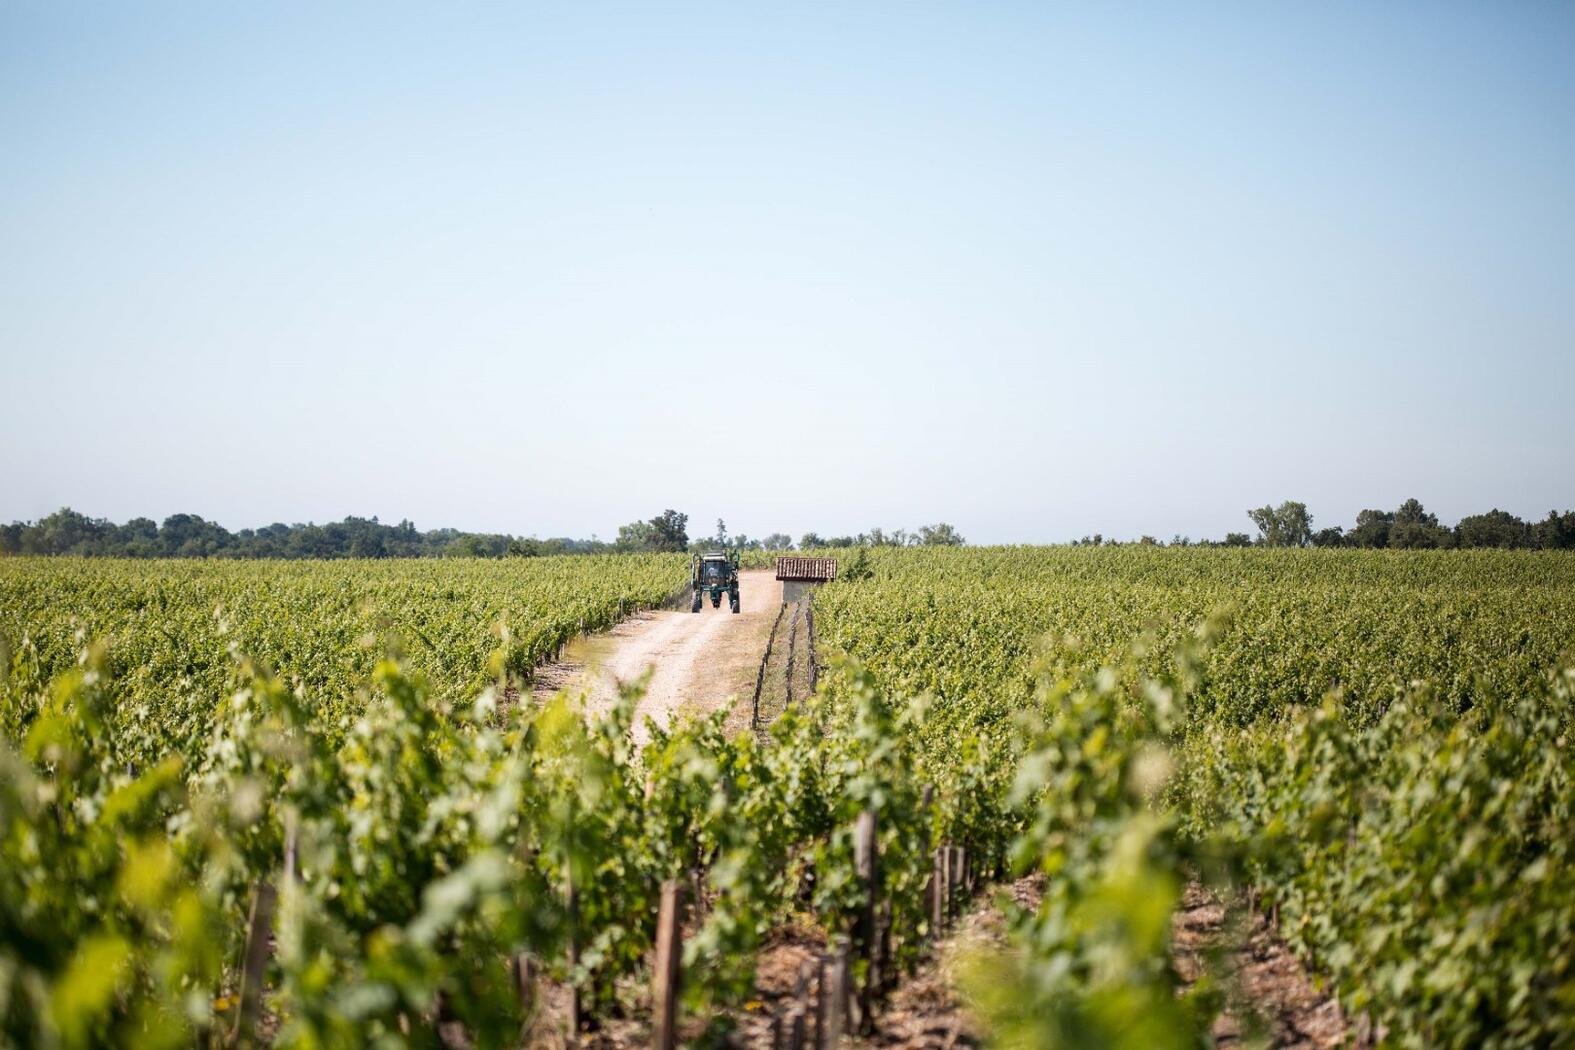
(1269, 996)
(926, 1011)
(697, 662)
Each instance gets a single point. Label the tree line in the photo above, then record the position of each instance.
(69, 532)
(668, 531)
(1409, 527)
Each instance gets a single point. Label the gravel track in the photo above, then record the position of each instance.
(698, 662)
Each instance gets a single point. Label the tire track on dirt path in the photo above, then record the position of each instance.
(698, 662)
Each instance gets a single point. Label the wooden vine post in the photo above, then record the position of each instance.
(524, 972)
(572, 901)
(834, 997)
(259, 943)
(866, 866)
(669, 954)
(793, 1033)
(258, 948)
(796, 1026)
(939, 891)
(809, 624)
(926, 801)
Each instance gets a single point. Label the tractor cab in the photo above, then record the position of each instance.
(714, 569)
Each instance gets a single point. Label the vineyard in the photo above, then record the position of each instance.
(1371, 746)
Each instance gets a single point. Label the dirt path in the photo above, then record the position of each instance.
(699, 662)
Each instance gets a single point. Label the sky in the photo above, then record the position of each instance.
(1035, 270)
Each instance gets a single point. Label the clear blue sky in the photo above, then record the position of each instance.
(1037, 272)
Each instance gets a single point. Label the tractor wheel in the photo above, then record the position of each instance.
(696, 606)
(734, 603)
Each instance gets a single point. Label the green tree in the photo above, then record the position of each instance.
(1333, 536)
(1288, 525)
(1496, 528)
(1372, 529)
(1556, 531)
(469, 546)
(138, 538)
(189, 536)
(940, 535)
(777, 541)
(669, 531)
(1414, 528)
(636, 536)
(68, 532)
(810, 540)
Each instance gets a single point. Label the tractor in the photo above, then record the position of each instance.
(714, 572)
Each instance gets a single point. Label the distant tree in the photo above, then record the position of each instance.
(188, 536)
(1178, 540)
(468, 546)
(68, 532)
(1372, 529)
(721, 533)
(878, 537)
(842, 541)
(777, 541)
(529, 547)
(1413, 527)
(810, 540)
(1288, 525)
(1555, 532)
(1412, 512)
(1148, 541)
(140, 538)
(1411, 537)
(1236, 539)
(636, 536)
(1496, 528)
(1333, 536)
(669, 531)
(313, 541)
(940, 535)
